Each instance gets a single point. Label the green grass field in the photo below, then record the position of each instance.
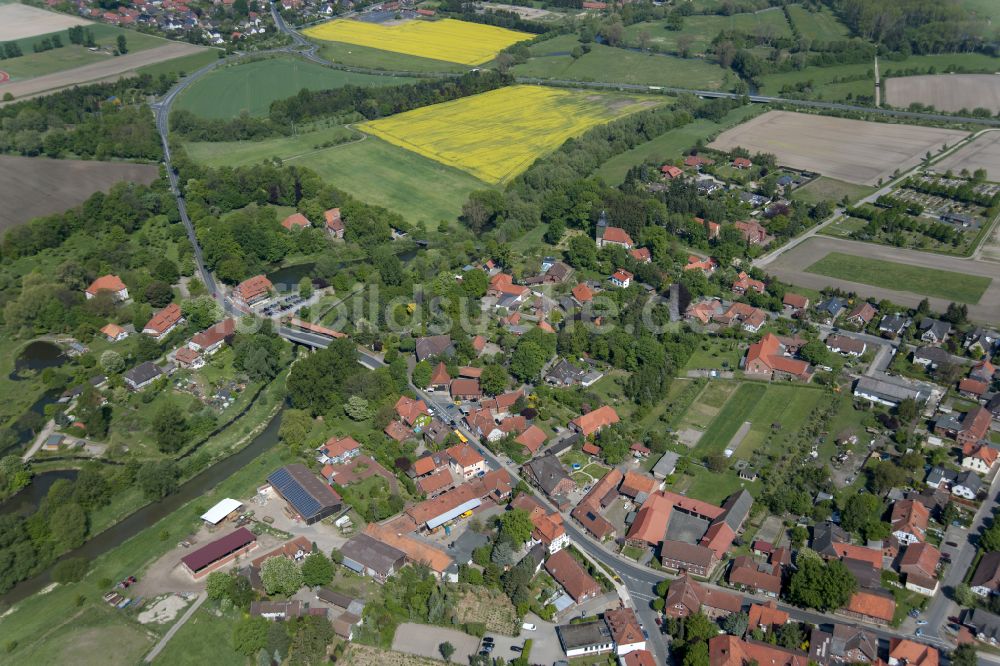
(763, 405)
(830, 189)
(844, 227)
(183, 65)
(671, 144)
(605, 63)
(33, 64)
(251, 87)
(890, 275)
(363, 56)
(704, 28)
(821, 26)
(376, 172)
(205, 638)
(983, 9)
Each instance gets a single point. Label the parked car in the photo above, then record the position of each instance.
(528, 626)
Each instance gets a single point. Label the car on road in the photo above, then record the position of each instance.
(921, 623)
(918, 632)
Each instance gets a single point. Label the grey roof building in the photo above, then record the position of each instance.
(142, 375)
(890, 393)
(893, 323)
(433, 345)
(985, 625)
(585, 638)
(737, 508)
(310, 497)
(933, 330)
(367, 555)
(549, 475)
(666, 465)
(825, 535)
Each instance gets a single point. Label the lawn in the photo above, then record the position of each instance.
(33, 64)
(362, 56)
(715, 354)
(672, 144)
(825, 188)
(372, 170)
(711, 487)
(844, 227)
(287, 148)
(738, 409)
(251, 87)
(205, 638)
(183, 65)
(448, 40)
(891, 275)
(704, 28)
(609, 64)
(498, 134)
(820, 26)
(988, 10)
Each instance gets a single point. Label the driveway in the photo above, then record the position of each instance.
(424, 640)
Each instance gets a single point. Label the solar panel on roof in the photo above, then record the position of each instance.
(290, 488)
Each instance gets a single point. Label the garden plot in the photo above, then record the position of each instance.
(490, 607)
(855, 151)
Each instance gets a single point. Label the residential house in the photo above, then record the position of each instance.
(626, 631)
(163, 322)
(967, 485)
(398, 431)
(698, 161)
(794, 302)
(766, 616)
(862, 314)
(974, 389)
(412, 412)
(433, 345)
(532, 439)
(904, 652)
(582, 294)
(706, 311)
(548, 473)
(594, 421)
(893, 325)
(909, 521)
(548, 528)
(753, 233)
(983, 371)
(986, 580)
(984, 625)
(114, 333)
(252, 291)
(749, 575)
(636, 657)
(831, 308)
(276, 610)
(188, 358)
(440, 379)
(750, 318)
(142, 375)
(968, 429)
(566, 571)
(726, 650)
(338, 450)
(683, 556)
(939, 477)
(109, 283)
(742, 163)
(981, 341)
(210, 340)
(465, 389)
(685, 597)
(642, 255)
(334, 222)
(745, 283)
(871, 606)
(933, 331)
(979, 457)
(671, 172)
(466, 461)
(767, 358)
(296, 221)
(696, 263)
(931, 357)
(621, 278)
(601, 495)
(842, 344)
(846, 644)
(636, 485)
(919, 564)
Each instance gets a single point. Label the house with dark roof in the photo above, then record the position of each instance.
(846, 644)
(893, 324)
(142, 375)
(548, 473)
(585, 638)
(986, 580)
(984, 625)
(933, 331)
(433, 345)
(220, 552)
(307, 495)
(831, 308)
(372, 557)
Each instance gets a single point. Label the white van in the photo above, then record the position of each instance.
(528, 626)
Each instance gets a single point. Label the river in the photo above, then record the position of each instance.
(145, 517)
(26, 501)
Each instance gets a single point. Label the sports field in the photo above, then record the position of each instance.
(448, 39)
(251, 87)
(671, 144)
(498, 134)
(784, 406)
(551, 60)
(376, 172)
(855, 151)
(702, 29)
(928, 281)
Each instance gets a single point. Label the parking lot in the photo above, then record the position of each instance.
(545, 647)
(425, 641)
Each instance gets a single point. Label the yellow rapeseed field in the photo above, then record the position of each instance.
(498, 134)
(449, 40)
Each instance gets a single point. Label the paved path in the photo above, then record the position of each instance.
(173, 630)
(37, 444)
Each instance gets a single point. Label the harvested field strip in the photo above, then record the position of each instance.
(448, 40)
(498, 134)
(890, 275)
(982, 153)
(945, 92)
(19, 21)
(855, 151)
(34, 186)
(737, 410)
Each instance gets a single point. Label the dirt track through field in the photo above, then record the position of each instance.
(791, 267)
(34, 186)
(113, 67)
(945, 92)
(856, 151)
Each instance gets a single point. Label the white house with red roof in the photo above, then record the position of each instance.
(109, 283)
(621, 278)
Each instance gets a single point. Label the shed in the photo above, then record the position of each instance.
(220, 511)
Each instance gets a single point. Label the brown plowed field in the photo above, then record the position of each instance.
(20, 21)
(857, 151)
(110, 69)
(983, 153)
(33, 186)
(945, 92)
